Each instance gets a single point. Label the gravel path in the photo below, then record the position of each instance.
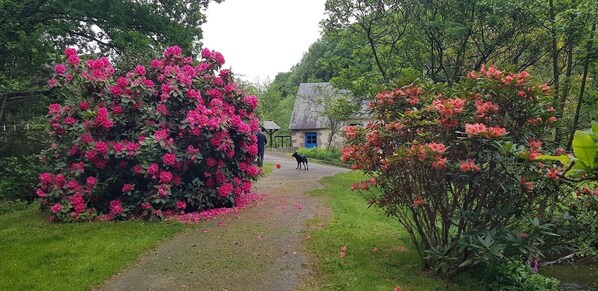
(258, 249)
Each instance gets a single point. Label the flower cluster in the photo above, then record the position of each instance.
(177, 136)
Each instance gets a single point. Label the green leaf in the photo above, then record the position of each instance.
(564, 159)
(585, 148)
(466, 263)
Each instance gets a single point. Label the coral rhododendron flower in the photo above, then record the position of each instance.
(469, 166)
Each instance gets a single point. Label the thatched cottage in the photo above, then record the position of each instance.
(309, 127)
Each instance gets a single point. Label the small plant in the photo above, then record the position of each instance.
(455, 166)
(176, 137)
(515, 276)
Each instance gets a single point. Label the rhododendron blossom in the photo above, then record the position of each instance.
(469, 166)
(175, 135)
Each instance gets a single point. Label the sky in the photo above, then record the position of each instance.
(260, 38)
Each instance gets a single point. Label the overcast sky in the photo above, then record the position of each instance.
(260, 38)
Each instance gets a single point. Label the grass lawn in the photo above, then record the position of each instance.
(379, 254)
(37, 255)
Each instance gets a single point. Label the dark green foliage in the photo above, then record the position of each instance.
(34, 32)
(19, 177)
(515, 276)
(12, 206)
(332, 155)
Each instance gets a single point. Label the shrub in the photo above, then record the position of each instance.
(455, 166)
(515, 276)
(12, 206)
(175, 137)
(331, 155)
(19, 177)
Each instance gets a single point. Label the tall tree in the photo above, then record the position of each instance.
(33, 32)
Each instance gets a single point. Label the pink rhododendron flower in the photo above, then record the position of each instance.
(102, 119)
(54, 108)
(59, 69)
(83, 105)
(91, 181)
(41, 193)
(169, 159)
(46, 178)
(173, 51)
(162, 109)
(181, 204)
(127, 188)
(69, 120)
(140, 70)
(225, 189)
(56, 208)
(101, 147)
(165, 176)
(116, 207)
(152, 169)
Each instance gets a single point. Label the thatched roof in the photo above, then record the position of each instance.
(306, 112)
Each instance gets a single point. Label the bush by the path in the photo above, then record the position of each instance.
(455, 166)
(175, 137)
(331, 155)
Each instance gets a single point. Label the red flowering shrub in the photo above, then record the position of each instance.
(175, 137)
(455, 165)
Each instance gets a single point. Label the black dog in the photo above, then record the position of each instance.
(301, 160)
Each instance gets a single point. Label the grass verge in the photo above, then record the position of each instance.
(379, 254)
(37, 255)
(267, 169)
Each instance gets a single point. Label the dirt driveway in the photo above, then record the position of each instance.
(258, 249)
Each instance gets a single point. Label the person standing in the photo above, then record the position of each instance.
(261, 144)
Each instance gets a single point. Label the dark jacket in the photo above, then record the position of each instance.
(261, 141)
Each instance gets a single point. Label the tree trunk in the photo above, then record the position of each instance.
(586, 65)
(555, 63)
(2, 108)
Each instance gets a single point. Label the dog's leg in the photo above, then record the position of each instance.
(298, 165)
(306, 165)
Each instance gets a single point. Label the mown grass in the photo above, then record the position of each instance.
(379, 254)
(267, 169)
(38, 255)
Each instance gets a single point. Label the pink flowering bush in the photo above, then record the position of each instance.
(455, 165)
(175, 137)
